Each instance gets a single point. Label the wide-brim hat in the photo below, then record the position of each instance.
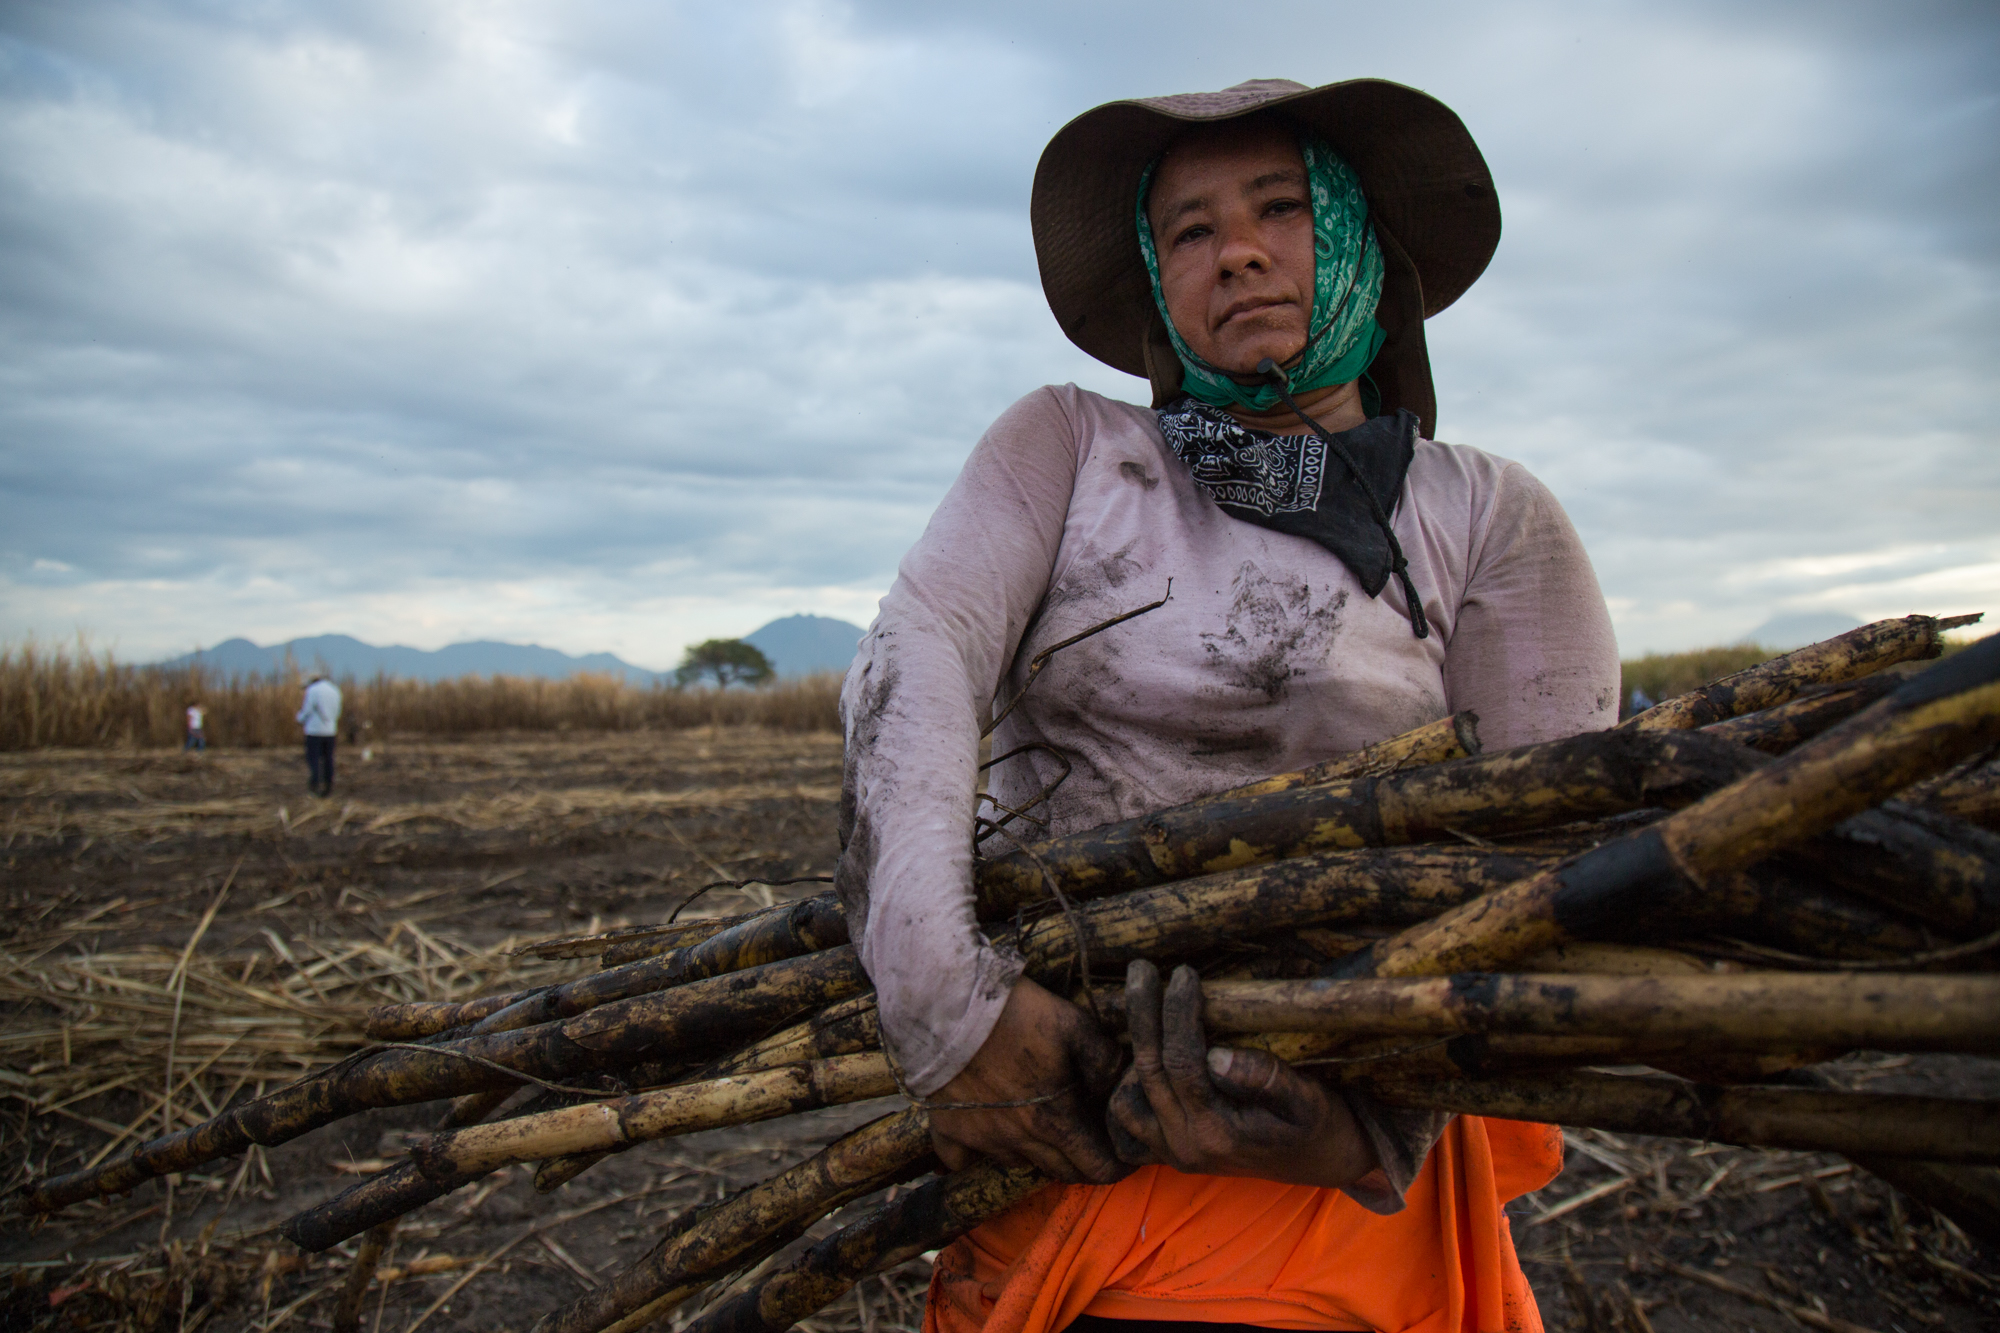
(1429, 192)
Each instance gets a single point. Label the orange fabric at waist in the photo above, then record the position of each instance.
(1163, 1245)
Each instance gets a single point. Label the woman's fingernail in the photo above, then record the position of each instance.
(1220, 1058)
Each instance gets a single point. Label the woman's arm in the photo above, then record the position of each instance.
(914, 701)
(913, 705)
(1532, 650)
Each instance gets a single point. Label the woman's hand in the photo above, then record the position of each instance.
(1042, 1044)
(1215, 1111)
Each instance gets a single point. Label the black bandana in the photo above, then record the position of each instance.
(1294, 484)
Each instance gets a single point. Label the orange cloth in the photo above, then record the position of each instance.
(1163, 1245)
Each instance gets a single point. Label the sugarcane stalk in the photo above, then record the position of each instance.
(1777, 906)
(1500, 1054)
(1619, 960)
(453, 1159)
(1972, 796)
(474, 1107)
(347, 1313)
(457, 1156)
(1453, 737)
(1941, 870)
(395, 1191)
(655, 936)
(806, 926)
(1859, 652)
(1391, 886)
(690, 1021)
(847, 1028)
(557, 1172)
(1945, 1129)
(1533, 787)
(881, 1153)
(417, 1019)
(1772, 1010)
(927, 1218)
(1932, 721)
(1779, 728)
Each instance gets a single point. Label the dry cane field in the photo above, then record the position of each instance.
(185, 929)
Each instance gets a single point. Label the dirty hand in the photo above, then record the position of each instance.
(1041, 1044)
(1215, 1111)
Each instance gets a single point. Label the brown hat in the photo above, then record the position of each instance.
(1430, 197)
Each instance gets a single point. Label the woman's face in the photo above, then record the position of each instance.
(1232, 222)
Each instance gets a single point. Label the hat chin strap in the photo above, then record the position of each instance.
(1275, 374)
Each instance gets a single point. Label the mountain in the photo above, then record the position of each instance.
(1796, 629)
(795, 645)
(801, 645)
(343, 655)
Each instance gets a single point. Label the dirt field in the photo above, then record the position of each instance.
(180, 929)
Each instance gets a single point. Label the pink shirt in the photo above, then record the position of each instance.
(1268, 657)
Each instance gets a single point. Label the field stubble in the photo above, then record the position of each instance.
(184, 928)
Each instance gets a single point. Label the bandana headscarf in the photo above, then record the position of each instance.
(1342, 335)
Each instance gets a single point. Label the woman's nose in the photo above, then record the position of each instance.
(1242, 249)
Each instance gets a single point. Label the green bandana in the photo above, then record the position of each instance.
(1343, 336)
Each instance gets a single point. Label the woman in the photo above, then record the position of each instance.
(1266, 257)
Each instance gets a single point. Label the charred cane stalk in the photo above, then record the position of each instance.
(1946, 1129)
(927, 1218)
(1746, 1011)
(891, 1149)
(1937, 718)
(1859, 652)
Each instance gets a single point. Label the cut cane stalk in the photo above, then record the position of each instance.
(1746, 1011)
(1945, 1129)
(1454, 737)
(894, 1148)
(1791, 912)
(1972, 796)
(1910, 859)
(1931, 722)
(1534, 787)
(457, 1156)
(927, 1218)
(1859, 652)
(450, 1160)
(1787, 725)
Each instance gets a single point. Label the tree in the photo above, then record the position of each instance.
(728, 661)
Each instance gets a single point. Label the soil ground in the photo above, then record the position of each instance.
(432, 858)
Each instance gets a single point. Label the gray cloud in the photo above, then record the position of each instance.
(615, 326)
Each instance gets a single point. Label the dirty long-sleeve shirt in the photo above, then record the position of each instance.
(1268, 657)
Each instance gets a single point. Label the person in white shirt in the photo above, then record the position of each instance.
(320, 716)
(197, 738)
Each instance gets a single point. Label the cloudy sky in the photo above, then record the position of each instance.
(615, 326)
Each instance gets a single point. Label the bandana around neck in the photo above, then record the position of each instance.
(1288, 483)
(1342, 335)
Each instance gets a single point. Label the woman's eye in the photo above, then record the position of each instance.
(1280, 207)
(1194, 233)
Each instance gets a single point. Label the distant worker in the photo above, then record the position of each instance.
(197, 739)
(320, 716)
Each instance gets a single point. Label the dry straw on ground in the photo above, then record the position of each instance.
(72, 697)
(188, 1029)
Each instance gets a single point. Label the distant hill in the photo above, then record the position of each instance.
(801, 645)
(343, 655)
(1799, 628)
(796, 646)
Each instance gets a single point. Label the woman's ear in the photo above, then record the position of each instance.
(1163, 364)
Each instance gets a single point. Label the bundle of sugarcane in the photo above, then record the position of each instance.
(1787, 865)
